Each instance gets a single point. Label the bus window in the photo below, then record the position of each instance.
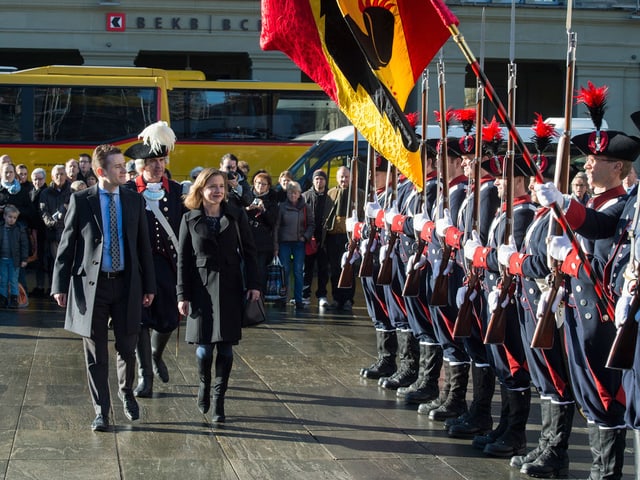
(90, 114)
(10, 113)
(244, 115)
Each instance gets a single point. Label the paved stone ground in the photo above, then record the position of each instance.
(296, 408)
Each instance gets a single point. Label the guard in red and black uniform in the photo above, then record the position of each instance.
(547, 367)
(408, 346)
(369, 238)
(508, 359)
(588, 327)
(478, 420)
(163, 199)
(452, 401)
(425, 387)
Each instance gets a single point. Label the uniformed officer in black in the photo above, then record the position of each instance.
(589, 329)
(164, 209)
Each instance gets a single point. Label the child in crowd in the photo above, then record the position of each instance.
(14, 250)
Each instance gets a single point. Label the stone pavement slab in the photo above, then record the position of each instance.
(296, 409)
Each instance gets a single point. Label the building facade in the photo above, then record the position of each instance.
(221, 38)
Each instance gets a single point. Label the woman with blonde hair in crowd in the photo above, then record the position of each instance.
(215, 238)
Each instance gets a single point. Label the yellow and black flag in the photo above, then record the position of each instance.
(367, 56)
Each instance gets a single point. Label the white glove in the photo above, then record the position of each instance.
(351, 221)
(421, 263)
(506, 250)
(391, 213)
(559, 247)
(383, 252)
(493, 298)
(460, 294)
(544, 300)
(345, 258)
(471, 245)
(462, 291)
(622, 309)
(443, 223)
(363, 247)
(548, 194)
(419, 222)
(371, 209)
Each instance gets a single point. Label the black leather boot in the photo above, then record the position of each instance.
(612, 443)
(408, 353)
(456, 403)
(553, 462)
(425, 388)
(518, 461)
(478, 420)
(514, 440)
(425, 408)
(223, 370)
(385, 365)
(481, 441)
(594, 446)
(158, 343)
(145, 371)
(204, 389)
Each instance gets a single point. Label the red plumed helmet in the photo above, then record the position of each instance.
(467, 117)
(595, 99)
(412, 118)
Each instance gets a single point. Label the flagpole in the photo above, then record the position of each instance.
(504, 117)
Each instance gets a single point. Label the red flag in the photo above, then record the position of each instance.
(315, 35)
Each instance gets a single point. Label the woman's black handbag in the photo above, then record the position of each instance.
(254, 312)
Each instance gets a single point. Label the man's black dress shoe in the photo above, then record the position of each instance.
(100, 423)
(131, 408)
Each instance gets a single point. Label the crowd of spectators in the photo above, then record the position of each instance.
(283, 219)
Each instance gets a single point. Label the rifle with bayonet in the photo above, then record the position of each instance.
(413, 281)
(347, 274)
(366, 265)
(497, 326)
(385, 273)
(440, 294)
(546, 326)
(464, 321)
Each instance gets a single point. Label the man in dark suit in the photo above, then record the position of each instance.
(104, 269)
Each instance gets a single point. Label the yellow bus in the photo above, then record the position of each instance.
(51, 114)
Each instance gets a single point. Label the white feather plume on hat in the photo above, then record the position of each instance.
(158, 135)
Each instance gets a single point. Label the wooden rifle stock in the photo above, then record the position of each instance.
(623, 350)
(546, 326)
(497, 327)
(440, 294)
(622, 353)
(464, 320)
(366, 267)
(413, 281)
(386, 266)
(346, 276)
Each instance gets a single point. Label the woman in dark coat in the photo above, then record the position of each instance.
(263, 214)
(210, 280)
